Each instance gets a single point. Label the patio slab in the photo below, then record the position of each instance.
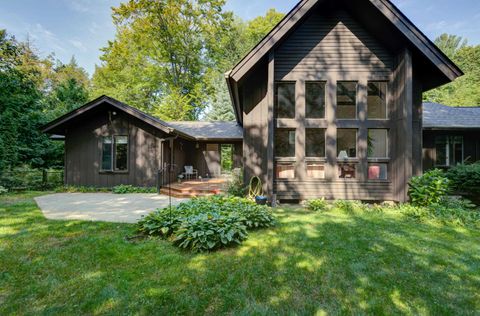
(108, 207)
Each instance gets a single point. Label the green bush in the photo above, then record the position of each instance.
(350, 206)
(206, 232)
(80, 189)
(235, 186)
(163, 222)
(127, 188)
(190, 219)
(26, 178)
(465, 180)
(448, 210)
(428, 188)
(3, 190)
(316, 205)
(256, 216)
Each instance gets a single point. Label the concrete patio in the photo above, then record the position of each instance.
(108, 207)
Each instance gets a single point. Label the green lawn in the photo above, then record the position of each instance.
(325, 263)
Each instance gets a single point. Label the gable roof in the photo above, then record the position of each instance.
(188, 130)
(425, 46)
(439, 116)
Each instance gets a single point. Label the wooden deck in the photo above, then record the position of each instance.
(195, 188)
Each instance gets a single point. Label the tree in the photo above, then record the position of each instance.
(220, 103)
(464, 91)
(240, 38)
(450, 44)
(261, 26)
(162, 52)
(32, 92)
(68, 86)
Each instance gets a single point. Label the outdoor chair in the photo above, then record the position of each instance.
(190, 173)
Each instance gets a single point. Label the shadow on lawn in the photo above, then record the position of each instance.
(335, 263)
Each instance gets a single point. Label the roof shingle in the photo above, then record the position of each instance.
(441, 116)
(210, 130)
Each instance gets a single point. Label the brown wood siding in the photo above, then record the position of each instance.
(335, 43)
(349, 190)
(255, 123)
(83, 151)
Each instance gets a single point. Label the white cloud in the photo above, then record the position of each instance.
(78, 44)
(45, 37)
(437, 26)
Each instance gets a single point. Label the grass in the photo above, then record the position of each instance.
(312, 263)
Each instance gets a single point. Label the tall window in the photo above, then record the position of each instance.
(107, 158)
(115, 153)
(285, 143)
(315, 99)
(377, 143)
(285, 100)
(121, 153)
(346, 143)
(315, 142)
(346, 100)
(377, 100)
(377, 149)
(449, 150)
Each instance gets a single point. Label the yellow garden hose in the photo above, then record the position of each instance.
(255, 188)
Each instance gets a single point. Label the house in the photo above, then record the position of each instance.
(330, 102)
(451, 135)
(108, 143)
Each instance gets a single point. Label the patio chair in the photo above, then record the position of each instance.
(190, 172)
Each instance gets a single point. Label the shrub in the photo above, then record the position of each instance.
(256, 216)
(127, 188)
(465, 179)
(3, 190)
(316, 205)
(350, 206)
(428, 188)
(189, 221)
(206, 232)
(455, 210)
(235, 186)
(26, 178)
(80, 189)
(448, 210)
(162, 222)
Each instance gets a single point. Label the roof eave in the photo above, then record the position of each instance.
(233, 91)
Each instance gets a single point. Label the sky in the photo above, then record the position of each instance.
(81, 28)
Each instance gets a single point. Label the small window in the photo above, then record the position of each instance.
(377, 100)
(347, 171)
(121, 153)
(377, 171)
(285, 143)
(315, 142)
(449, 150)
(315, 171)
(285, 100)
(285, 171)
(107, 159)
(315, 100)
(346, 143)
(377, 143)
(346, 100)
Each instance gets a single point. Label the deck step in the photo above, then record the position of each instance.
(194, 188)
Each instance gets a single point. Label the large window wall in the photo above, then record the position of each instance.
(332, 130)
